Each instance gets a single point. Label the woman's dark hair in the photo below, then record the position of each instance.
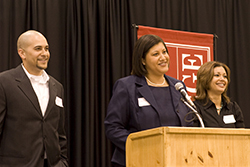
(205, 75)
(142, 46)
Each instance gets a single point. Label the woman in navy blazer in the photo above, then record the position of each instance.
(146, 99)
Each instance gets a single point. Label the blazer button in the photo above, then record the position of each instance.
(177, 111)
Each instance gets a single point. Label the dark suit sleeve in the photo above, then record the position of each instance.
(117, 115)
(2, 108)
(62, 134)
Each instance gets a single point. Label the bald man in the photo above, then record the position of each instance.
(32, 117)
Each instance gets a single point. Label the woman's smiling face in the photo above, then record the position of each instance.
(157, 60)
(219, 82)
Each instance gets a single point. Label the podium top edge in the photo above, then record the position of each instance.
(189, 130)
(229, 131)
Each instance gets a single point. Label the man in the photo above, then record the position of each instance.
(32, 121)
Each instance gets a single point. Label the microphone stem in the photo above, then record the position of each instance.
(196, 113)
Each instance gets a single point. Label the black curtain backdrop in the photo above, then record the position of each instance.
(91, 43)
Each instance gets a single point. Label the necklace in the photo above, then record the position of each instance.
(220, 106)
(155, 83)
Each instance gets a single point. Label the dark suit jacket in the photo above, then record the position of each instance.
(125, 116)
(24, 132)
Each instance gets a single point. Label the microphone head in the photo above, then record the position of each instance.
(178, 86)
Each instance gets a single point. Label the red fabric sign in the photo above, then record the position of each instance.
(187, 51)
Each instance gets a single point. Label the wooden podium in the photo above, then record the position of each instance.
(193, 147)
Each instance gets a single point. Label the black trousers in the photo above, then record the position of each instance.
(117, 165)
(46, 163)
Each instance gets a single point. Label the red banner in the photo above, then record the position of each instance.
(187, 51)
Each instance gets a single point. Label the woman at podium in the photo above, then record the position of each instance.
(146, 99)
(211, 98)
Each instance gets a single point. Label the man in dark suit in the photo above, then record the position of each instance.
(32, 117)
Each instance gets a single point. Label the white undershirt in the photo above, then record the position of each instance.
(41, 87)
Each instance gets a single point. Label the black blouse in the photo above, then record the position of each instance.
(230, 115)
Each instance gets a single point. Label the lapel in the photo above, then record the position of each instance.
(24, 84)
(52, 96)
(145, 91)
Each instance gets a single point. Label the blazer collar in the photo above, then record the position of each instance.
(24, 84)
(145, 91)
(52, 96)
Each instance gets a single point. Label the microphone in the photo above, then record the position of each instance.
(196, 113)
(179, 86)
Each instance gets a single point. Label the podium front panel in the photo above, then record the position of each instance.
(182, 147)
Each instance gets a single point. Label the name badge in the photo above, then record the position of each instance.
(59, 101)
(143, 102)
(228, 119)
